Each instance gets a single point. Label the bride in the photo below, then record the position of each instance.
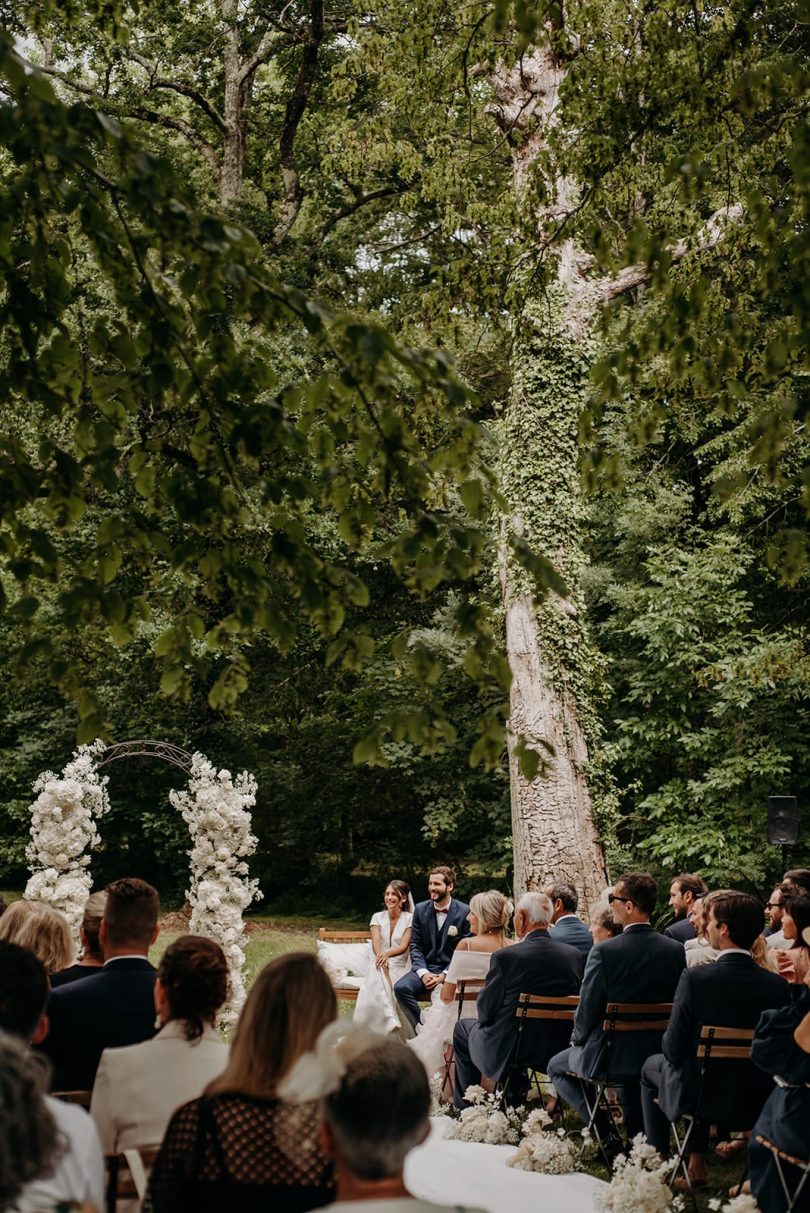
(376, 1007)
(488, 918)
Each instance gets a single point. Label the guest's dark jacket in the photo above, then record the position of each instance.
(112, 1008)
(733, 992)
(76, 972)
(433, 949)
(572, 930)
(681, 930)
(537, 965)
(785, 1118)
(637, 966)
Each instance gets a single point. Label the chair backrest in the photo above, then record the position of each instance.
(543, 1006)
(636, 1017)
(731, 1087)
(81, 1098)
(544, 1026)
(327, 935)
(467, 990)
(127, 1174)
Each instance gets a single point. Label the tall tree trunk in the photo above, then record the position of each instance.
(233, 149)
(553, 662)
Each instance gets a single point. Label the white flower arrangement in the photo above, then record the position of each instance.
(744, 1203)
(216, 809)
(639, 1183)
(63, 832)
(485, 1122)
(547, 1152)
(452, 932)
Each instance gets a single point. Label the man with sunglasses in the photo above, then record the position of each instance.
(637, 966)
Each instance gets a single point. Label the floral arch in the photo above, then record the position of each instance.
(214, 805)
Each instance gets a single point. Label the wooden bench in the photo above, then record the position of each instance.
(329, 935)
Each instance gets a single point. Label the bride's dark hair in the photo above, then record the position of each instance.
(400, 887)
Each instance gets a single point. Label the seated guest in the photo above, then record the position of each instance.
(565, 926)
(685, 891)
(698, 950)
(40, 929)
(603, 924)
(92, 958)
(536, 965)
(782, 1048)
(373, 1120)
(138, 1088)
(637, 966)
(794, 964)
(76, 1174)
(26, 1121)
(731, 993)
(238, 1146)
(774, 910)
(489, 919)
(115, 1006)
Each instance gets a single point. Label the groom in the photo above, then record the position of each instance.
(439, 924)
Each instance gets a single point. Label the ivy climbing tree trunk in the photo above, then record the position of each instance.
(556, 815)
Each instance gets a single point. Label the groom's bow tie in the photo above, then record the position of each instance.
(441, 909)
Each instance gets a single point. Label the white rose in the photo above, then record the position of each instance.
(452, 931)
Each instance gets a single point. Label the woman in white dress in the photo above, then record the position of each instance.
(376, 1007)
(489, 917)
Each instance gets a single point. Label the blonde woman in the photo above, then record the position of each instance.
(39, 929)
(238, 1146)
(489, 917)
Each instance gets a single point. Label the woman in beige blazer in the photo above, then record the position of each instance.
(138, 1088)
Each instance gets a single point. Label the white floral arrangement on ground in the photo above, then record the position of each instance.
(63, 832)
(640, 1183)
(551, 1153)
(744, 1203)
(216, 808)
(485, 1121)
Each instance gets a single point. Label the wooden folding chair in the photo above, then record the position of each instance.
(80, 1098)
(558, 1014)
(780, 1157)
(620, 1017)
(127, 1174)
(467, 991)
(716, 1044)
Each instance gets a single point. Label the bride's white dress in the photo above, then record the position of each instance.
(353, 965)
(438, 1020)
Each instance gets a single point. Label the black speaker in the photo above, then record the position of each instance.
(783, 821)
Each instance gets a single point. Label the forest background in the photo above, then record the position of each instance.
(402, 164)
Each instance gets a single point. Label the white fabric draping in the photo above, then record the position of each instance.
(468, 1173)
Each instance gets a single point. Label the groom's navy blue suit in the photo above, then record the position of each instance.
(431, 949)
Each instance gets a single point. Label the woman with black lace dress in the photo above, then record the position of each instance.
(238, 1147)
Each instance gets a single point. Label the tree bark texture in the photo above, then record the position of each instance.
(555, 667)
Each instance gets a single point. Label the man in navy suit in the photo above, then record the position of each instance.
(731, 993)
(565, 926)
(686, 889)
(439, 924)
(115, 1006)
(637, 966)
(536, 965)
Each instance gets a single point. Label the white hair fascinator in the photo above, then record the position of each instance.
(320, 1072)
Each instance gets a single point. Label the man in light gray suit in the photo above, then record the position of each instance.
(565, 926)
